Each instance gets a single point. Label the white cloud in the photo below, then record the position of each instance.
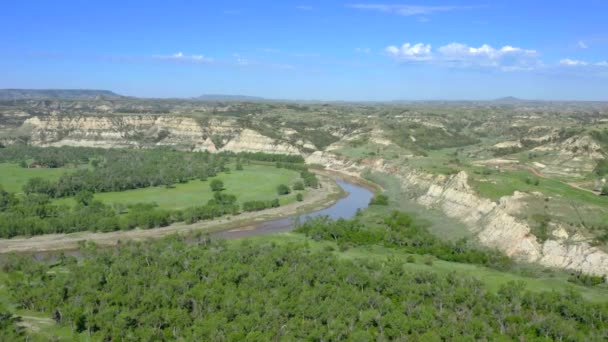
(579, 63)
(409, 52)
(363, 50)
(304, 8)
(462, 55)
(181, 57)
(507, 57)
(572, 62)
(581, 44)
(408, 10)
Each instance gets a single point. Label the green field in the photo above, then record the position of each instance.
(503, 183)
(255, 182)
(13, 177)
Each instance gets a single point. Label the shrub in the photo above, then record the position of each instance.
(299, 197)
(216, 185)
(379, 200)
(283, 189)
(298, 186)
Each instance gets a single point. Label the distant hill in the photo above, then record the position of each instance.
(510, 99)
(230, 98)
(68, 94)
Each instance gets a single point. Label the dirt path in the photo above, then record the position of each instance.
(316, 199)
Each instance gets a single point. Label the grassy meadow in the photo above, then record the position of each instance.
(255, 182)
(13, 176)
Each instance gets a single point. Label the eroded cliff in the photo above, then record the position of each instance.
(494, 224)
(148, 131)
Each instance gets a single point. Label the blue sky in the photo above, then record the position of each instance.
(328, 50)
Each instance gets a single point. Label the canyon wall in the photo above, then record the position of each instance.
(494, 224)
(143, 131)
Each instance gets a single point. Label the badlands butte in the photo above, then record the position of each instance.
(525, 177)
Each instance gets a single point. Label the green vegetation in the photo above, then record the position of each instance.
(260, 205)
(283, 189)
(419, 137)
(399, 230)
(265, 290)
(13, 177)
(216, 185)
(499, 184)
(379, 200)
(95, 208)
(255, 182)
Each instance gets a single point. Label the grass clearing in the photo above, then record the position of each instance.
(13, 176)
(504, 183)
(255, 182)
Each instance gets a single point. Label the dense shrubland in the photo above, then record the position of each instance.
(210, 291)
(417, 136)
(35, 214)
(399, 230)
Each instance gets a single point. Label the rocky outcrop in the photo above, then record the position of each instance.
(494, 224)
(184, 133)
(250, 140)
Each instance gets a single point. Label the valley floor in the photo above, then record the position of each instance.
(315, 199)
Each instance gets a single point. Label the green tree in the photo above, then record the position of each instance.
(298, 185)
(379, 200)
(299, 197)
(283, 189)
(216, 185)
(84, 198)
(604, 191)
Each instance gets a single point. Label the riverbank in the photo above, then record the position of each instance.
(326, 195)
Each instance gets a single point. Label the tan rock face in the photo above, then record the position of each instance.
(148, 130)
(494, 224)
(251, 141)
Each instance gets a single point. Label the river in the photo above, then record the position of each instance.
(357, 197)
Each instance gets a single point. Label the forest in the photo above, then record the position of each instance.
(197, 289)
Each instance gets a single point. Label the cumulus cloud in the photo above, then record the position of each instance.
(581, 44)
(462, 55)
(363, 50)
(408, 10)
(409, 52)
(181, 57)
(507, 57)
(603, 64)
